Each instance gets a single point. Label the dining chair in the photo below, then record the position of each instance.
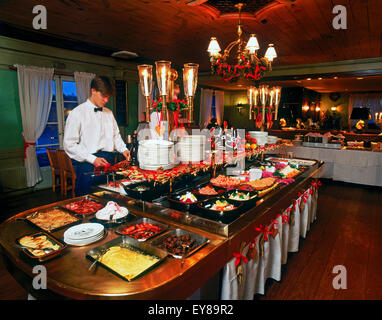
(56, 169)
(68, 173)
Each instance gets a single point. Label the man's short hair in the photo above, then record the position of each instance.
(104, 85)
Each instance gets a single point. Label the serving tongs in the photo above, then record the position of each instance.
(100, 255)
(29, 216)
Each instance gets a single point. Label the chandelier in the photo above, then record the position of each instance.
(249, 66)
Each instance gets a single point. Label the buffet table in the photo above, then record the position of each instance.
(362, 167)
(292, 206)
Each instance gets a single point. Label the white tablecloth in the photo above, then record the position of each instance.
(257, 270)
(362, 167)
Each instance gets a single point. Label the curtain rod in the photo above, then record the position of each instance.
(57, 73)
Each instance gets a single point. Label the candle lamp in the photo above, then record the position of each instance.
(145, 72)
(163, 79)
(263, 99)
(252, 94)
(190, 81)
(277, 91)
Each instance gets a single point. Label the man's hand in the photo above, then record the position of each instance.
(100, 162)
(126, 154)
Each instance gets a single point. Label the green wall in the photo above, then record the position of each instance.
(132, 105)
(231, 113)
(10, 116)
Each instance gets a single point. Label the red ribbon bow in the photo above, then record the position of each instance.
(239, 257)
(303, 196)
(253, 243)
(26, 145)
(264, 230)
(285, 218)
(274, 222)
(316, 184)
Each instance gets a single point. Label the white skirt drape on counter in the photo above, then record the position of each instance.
(256, 271)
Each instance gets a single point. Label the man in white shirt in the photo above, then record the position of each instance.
(92, 135)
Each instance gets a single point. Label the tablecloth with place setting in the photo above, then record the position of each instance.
(361, 167)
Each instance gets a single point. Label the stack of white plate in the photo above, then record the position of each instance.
(260, 136)
(153, 154)
(84, 234)
(191, 148)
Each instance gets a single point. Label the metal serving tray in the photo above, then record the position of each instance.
(49, 209)
(199, 239)
(47, 256)
(141, 247)
(87, 197)
(163, 228)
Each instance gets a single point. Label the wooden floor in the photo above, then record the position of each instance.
(348, 232)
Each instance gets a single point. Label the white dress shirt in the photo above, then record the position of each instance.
(87, 132)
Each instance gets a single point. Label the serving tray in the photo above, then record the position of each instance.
(199, 239)
(163, 228)
(46, 257)
(132, 244)
(87, 197)
(28, 217)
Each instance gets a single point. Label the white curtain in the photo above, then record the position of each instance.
(219, 106)
(205, 107)
(35, 94)
(367, 100)
(83, 81)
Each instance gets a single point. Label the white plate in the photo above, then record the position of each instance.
(84, 231)
(84, 242)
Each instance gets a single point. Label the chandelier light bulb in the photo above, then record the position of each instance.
(270, 54)
(252, 44)
(213, 47)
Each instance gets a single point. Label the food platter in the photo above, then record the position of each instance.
(47, 241)
(84, 206)
(142, 191)
(144, 250)
(171, 243)
(226, 216)
(184, 200)
(52, 219)
(246, 197)
(207, 190)
(142, 229)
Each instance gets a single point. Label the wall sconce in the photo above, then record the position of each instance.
(334, 109)
(239, 106)
(305, 108)
(318, 109)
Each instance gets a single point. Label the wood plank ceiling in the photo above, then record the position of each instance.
(180, 30)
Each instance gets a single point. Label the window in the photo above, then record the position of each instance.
(64, 100)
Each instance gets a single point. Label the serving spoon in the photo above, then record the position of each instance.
(46, 250)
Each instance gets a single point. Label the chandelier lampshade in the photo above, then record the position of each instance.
(252, 44)
(270, 54)
(213, 47)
